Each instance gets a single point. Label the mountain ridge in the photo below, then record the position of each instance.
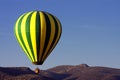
(63, 72)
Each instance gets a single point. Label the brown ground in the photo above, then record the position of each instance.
(66, 72)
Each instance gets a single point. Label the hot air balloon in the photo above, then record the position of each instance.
(37, 32)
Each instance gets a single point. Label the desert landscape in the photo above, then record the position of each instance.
(63, 72)
(69, 39)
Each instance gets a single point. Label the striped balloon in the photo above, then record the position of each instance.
(37, 33)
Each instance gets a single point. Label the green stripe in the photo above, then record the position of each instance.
(27, 25)
(20, 35)
(38, 34)
(48, 32)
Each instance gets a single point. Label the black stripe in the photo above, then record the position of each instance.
(48, 32)
(56, 31)
(38, 34)
(54, 39)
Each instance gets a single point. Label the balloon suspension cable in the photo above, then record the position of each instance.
(37, 70)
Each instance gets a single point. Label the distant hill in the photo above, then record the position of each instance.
(65, 72)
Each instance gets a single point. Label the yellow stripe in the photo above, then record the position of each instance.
(18, 38)
(23, 31)
(43, 33)
(59, 30)
(51, 36)
(33, 33)
(58, 36)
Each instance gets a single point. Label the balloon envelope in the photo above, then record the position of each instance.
(37, 33)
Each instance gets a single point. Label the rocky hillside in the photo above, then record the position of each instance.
(65, 72)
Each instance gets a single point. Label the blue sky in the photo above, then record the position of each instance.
(91, 32)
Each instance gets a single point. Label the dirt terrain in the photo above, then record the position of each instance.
(64, 72)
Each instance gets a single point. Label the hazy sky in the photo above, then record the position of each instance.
(91, 32)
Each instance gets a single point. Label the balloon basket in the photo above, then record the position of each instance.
(37, 70)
